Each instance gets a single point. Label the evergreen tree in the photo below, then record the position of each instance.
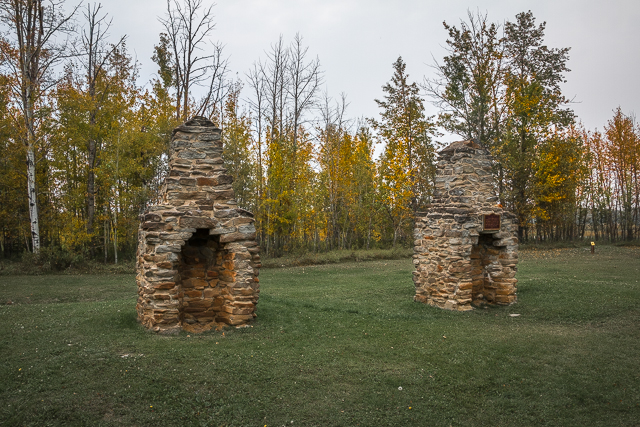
(406, 165)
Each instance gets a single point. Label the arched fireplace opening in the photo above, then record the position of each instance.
(485, 261)
(199, 269)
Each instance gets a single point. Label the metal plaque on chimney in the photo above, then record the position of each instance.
(491, 223)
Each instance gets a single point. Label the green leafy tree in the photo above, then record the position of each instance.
(623, 154)
(347, 178)
(535, 109)
(29, 54)
(406, 166)
(560, 171)
(505, 92)
(238, 150)
(14, 217)
(468, 87)
(129, 130)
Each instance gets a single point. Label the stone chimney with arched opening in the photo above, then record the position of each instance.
(466, 245)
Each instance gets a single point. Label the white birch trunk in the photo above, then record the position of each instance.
(33, 201)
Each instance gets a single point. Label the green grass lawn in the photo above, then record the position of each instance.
(333, 345)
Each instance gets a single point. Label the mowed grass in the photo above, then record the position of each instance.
(334, 345)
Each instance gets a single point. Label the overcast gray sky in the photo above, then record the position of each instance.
(358, 40)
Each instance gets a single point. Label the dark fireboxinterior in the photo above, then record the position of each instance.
(484, 260)
(200, 267)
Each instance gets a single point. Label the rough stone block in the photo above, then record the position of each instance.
(197, 222)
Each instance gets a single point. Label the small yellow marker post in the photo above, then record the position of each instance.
(593, 247)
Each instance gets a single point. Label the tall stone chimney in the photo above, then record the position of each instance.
(466, 245)
(197, 259)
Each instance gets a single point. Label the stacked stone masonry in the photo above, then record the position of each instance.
(459, 263)
(198, 260)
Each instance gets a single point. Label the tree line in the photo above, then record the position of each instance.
(83, 145)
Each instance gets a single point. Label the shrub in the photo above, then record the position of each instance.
(50, 259)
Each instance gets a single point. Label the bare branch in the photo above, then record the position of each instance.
(188, 25)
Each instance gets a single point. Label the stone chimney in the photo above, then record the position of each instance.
(197, 259)
(466, 245)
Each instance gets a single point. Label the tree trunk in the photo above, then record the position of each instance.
(106, 240)
(91, 191)
(33, 200)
